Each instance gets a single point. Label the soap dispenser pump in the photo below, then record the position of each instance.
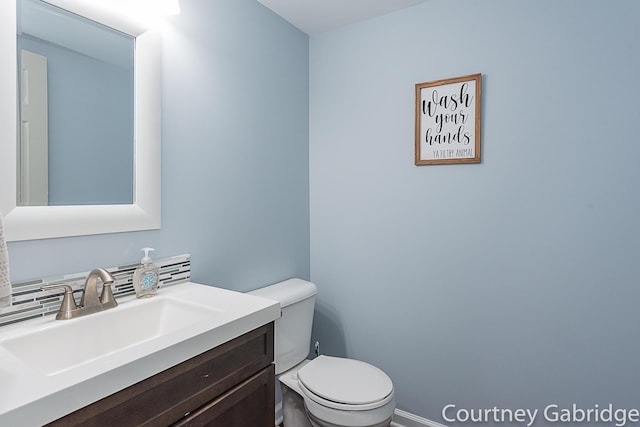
(146, 276)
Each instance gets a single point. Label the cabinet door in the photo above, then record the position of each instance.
(250, 403)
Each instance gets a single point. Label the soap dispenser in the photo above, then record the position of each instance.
(146, 276)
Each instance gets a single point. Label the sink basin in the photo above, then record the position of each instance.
(67, 344)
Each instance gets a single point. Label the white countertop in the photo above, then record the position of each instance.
(30, 398)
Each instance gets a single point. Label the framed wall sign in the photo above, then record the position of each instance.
(448, 121)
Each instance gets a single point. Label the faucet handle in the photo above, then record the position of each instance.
(106, 298)
(68, 301)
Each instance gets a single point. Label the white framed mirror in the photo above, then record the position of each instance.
(39, 222)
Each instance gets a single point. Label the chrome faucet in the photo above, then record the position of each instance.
(90, 303)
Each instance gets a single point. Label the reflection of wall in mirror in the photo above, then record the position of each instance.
(90, 129)
(33, 156)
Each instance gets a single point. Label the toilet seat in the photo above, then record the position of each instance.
(345, 384)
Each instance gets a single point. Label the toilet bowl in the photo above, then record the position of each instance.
(343, 392)
(326, 391)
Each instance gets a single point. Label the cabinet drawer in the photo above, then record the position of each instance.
(242, 406)
(166, 397)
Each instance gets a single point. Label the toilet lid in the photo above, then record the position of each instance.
(346, 381)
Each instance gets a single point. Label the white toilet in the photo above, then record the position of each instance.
(326, 391)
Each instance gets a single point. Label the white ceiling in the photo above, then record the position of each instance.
(317, 16)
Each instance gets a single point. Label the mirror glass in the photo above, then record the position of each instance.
(75, 109)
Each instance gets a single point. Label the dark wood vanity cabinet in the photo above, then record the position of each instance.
(230, 385)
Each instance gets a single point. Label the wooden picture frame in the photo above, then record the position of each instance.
(448, 121)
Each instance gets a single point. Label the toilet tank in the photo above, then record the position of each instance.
(293, 329)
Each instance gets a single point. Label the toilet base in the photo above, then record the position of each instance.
(293, 411)
(318, 423)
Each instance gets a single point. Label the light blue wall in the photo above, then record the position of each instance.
(234, 156)
(513, 282)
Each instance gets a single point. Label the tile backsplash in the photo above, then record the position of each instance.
(28, 301)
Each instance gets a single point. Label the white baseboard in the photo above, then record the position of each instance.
(405, 419)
